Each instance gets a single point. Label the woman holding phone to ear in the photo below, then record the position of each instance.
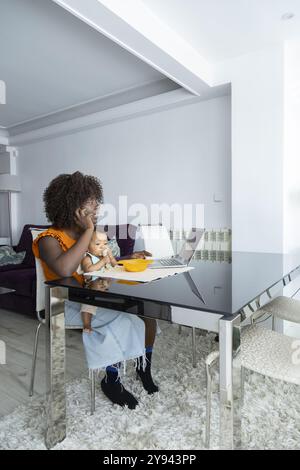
(71, 204)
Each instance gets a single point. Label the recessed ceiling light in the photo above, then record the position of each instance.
(287, 16)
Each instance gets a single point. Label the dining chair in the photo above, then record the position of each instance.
(40, 312)
(282, 307)
(264, 352)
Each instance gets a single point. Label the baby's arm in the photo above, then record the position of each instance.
(112, 259)
(89, 267)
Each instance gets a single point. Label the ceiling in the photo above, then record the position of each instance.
(223, 29)
(57, 67)
(51, 61)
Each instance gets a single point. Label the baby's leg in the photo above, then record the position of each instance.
(86, 320)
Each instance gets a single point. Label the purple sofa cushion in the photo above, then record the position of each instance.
(22, 281)
(13, 267)
(18, 303)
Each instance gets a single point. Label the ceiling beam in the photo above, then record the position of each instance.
(135, 28)
(32, 132)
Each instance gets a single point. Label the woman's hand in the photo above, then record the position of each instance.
(140, 254)
(84, 219)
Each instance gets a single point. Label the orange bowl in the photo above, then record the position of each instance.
(135, 265)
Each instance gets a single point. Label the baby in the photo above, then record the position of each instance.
(99, 257)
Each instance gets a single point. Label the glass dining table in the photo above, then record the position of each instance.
(214, 296)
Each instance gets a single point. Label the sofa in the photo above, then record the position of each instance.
(22, 277)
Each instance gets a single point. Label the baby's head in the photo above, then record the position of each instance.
(98, 244)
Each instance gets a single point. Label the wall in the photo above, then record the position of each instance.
(4, 221)
(257, 149)
(292, 147)
(180, 155)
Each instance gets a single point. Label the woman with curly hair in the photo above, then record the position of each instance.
(71, 205)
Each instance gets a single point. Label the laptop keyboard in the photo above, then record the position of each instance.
(169, 262)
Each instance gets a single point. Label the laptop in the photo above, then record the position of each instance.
(186, 253)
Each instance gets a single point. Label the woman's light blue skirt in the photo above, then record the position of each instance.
(116, 336)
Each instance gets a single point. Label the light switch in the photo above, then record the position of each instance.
(218, 197)
(217, 290)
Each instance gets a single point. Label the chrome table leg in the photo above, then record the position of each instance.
(230, 384)
(194, 360)
(55, 369)
(208, 406)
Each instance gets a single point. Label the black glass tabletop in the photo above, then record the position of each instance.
(213, 286)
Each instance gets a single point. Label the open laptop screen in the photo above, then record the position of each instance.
(190, 245)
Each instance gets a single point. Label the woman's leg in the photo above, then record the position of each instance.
(145, 375)
(115, 337)
(150, 331)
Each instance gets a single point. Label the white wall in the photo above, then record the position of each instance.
(4, 221)
(257, 149)
(292, 147)
(180, 155)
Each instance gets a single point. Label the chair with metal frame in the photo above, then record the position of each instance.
(260, 346)
(284, 308)
(264, 352)
(40, 310)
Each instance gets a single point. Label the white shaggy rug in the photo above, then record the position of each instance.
(174, 418)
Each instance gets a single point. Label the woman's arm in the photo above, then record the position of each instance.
(65, 263)
(140, 254)
(135, 255)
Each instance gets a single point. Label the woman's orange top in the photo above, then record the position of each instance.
(65, 242)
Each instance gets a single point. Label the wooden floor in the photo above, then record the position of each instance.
(17, 331)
